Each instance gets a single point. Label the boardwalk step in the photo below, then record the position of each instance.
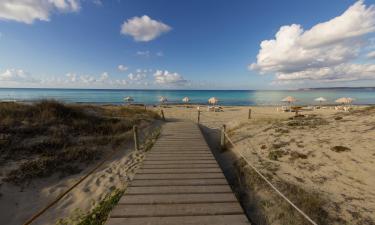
(179, 189)
(177, 198)
(182, 220)
(180, 182)
(194, 209)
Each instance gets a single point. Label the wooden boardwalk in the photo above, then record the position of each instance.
(179, 183)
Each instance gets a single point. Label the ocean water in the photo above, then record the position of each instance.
(226, 97)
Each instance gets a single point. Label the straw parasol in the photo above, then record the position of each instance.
(289, 99)
(213, 100)
(129, 99)
(344, 100)
(320, 100)
(163, 99)
(186, 100)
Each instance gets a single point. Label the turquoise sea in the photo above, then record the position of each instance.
(226, 97)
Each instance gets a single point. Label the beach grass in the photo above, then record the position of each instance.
(49, 137)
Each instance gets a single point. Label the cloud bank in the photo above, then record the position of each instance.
(27, 11)
(167, 78)
(144, 28)
(326, 52)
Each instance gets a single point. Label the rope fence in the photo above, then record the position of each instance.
(136, 134)
(268, 182)
(224, 135)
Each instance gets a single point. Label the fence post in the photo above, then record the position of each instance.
(222, 138)
(249, 116)
(136, 142)
(162, 115)
(199, 116)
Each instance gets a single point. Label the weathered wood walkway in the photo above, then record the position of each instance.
(179, 183)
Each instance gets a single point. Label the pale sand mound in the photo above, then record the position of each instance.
(331, 155)
(17, 205)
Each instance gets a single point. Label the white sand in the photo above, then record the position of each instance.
(346, 179)
(16, 206)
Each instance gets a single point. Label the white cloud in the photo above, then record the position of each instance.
(144, 28)
(137, 76)
(122, 68)
(167, 78)
(371, 55)
(27, 11)
(160, 54)
(322, 52)
(16, 75)
(143, 53)
(342, 72)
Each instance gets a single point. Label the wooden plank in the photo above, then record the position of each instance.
(180, 170)
(182, 220)
(194, 209)
(165, 162)
(180, 182)
(179, 176)
(179, 189)
(177, 198)
(164, 166)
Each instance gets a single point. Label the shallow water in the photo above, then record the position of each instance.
(226, 97)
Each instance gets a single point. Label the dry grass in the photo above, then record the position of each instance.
(49, 137)
(264, 206)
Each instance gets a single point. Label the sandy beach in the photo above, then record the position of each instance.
(328, 152)
(36, 170)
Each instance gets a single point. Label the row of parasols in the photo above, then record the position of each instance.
(344, 100)
(163, 99)
(214, 100)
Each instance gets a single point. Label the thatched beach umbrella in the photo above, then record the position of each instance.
(129, 99)
(213, 101)
(289, 99)
(344, 100)
(163, 99)
(320, 100)
(186, 100)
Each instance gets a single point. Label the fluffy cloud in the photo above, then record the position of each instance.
(139, 75)
(143, 53)
(122, 68)
(322, 53)
(73, 78)
(144, 28)
(27, 11)
(371, 55)
(16, 75)
(167, 78)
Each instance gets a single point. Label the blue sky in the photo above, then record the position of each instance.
(210, 44)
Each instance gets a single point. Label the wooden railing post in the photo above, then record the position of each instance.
(162, 115)
(249, 116)
(136, 141)
(199, 116)
(222, 138)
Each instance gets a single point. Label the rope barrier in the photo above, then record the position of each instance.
(270, 184)
(38, 214)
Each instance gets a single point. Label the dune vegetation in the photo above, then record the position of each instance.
(51, 138)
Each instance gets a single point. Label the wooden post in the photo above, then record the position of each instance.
(136, 142)
(222, 138)
(145, 108)
(199, 116)
(249, 116)
(162, 115)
